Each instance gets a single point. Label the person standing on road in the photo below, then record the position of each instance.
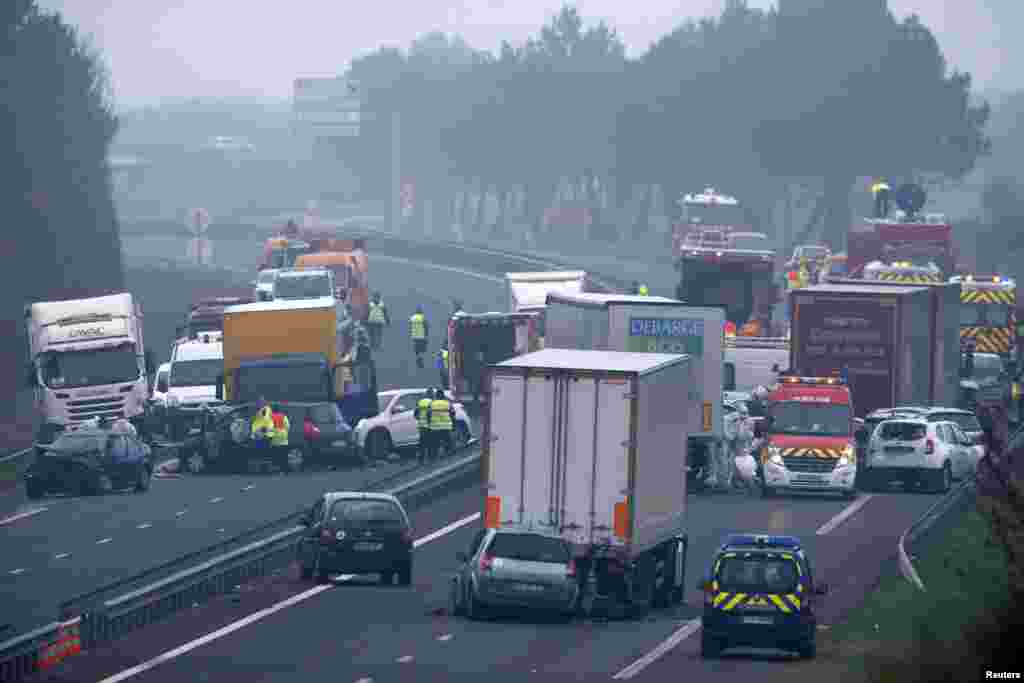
(281, 428)
(377, 320)
(262, 424)
(442, 365)
(419, 329)
(422, 415)
(442, 423)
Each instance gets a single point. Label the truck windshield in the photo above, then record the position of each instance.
(819, 419)
(311, 287)
(714, 214)
(70, 369)
(300, 383)
(196, 373)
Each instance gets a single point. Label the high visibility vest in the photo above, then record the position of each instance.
(263, 420)
(442, 359)
(421, 416)
(281, 427)
(804, 277)
(879, 187)
(418, 326)
(376, 313)
(440, 420)
(730, 328)
(643, 291)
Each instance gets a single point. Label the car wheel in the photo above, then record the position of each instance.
(454, 604)
(33, 489)
(378, 444)
(710, 648)
(144, 477)
(462, 435)
(404, 573)
(944, 479)
(808, 649)
(474, 610)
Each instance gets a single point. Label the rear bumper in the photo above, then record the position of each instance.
(498, 595)
(349, 561)
(785, 630)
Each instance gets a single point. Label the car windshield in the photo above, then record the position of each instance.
(965, 421)
(902, 431)
(196, 373)
(367, 512)
(310, 287)
(70, 369)
(300, 383)
(714, 214)
(820, 419)
(529, 548)
(755, 574)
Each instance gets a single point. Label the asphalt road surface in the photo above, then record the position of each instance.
(358, 631)
(75, 545)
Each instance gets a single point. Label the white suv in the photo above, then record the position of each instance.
(395, 425)
(917, 452)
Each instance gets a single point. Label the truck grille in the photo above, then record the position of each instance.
(105, 406)
(812, 465)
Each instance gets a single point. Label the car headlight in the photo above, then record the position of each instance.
(847, 457)
(775, 455)
(340, 535)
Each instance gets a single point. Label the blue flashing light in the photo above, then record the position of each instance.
(762, 541)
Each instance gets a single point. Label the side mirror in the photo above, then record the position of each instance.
(220, 387)
(461, 557)
(821, 589)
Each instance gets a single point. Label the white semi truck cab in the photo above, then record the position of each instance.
(87, 359)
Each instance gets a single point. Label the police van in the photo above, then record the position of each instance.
(759, 592)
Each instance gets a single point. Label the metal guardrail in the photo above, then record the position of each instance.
(17, 455)
(123, 606)
(948, 503)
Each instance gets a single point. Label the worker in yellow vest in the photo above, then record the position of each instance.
(442, 424)
(442, 365)
(880, 192)
(422, 415)
(419, 328)
(377, 319)
(804, 275)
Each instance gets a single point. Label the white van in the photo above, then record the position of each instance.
(196, 365)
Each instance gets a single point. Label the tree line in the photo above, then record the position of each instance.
(750, 102)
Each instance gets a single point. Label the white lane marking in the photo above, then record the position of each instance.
(680, 634)
(445, 637)
(263, 613)
(102, 541)
(365, 679)
(404, 659)
(180, 513)
(61, 556)
(844, 515)
(216, 500)
(434, 266)
(144, 525)
(20, 570)
(22, 515)
(250, 487)
(221, 531)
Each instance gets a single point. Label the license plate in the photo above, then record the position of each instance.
(338, 444)
(764, 621)
(368, 547)
(529, 587)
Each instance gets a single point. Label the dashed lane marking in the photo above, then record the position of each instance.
(366, 679)
(663, 648)
(144, 525)
(180, 513)
(264, 613)
(216, 500)
(61, 556)
(250, 487)
(22, 515)
(445, 637)
(404, 659)
(20, 570)
(104, 541)
(847, 512)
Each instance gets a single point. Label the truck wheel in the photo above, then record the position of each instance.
(665, 596)
(808, 649)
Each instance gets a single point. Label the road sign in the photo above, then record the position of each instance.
(328, 107)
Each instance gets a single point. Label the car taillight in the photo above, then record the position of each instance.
(570, 569)
(486, 563)
(929, 447)
(310, 430)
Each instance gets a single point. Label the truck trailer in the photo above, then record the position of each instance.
(528, 292)
(652, 324)
(591, 446)
(477, 340)
(883, 337)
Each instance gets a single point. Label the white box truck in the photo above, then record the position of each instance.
(591, 446)
(528, 292)
(617, 322)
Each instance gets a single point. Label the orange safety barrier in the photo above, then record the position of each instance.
(67, 643)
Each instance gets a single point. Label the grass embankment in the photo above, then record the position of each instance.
(965, 573)
(8, 476)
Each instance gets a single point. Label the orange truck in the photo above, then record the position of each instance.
(346, 257)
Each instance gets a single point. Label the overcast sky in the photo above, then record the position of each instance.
(174, 48)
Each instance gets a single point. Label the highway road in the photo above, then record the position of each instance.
(357, 631)
(59, 547)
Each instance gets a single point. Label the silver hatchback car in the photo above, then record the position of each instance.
(506, 568)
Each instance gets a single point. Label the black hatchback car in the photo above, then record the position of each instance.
(89, 461)
(357, 533)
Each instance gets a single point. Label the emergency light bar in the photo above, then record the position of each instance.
(762, 541)
(813, 380)
(996, 279)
